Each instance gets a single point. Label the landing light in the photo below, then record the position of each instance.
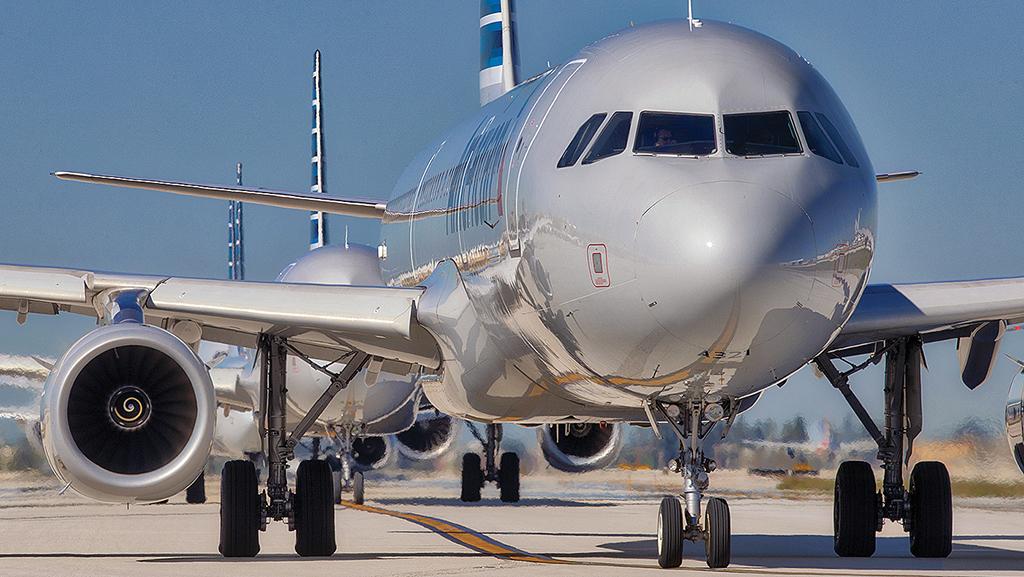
(714, 412)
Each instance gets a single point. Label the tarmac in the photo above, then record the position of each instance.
(565, 525)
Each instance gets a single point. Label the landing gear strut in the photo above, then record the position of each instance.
(505, 473)
(679, 518)
(925, 508)
(309, 510)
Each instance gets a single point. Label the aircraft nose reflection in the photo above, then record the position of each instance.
(716, 259)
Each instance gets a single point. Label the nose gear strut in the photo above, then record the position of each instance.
(677, 524)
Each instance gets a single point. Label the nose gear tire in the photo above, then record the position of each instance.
(717, 533)
(670, 533)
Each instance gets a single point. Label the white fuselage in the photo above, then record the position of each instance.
(717, 272)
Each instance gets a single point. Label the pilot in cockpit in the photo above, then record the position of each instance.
(663, 138)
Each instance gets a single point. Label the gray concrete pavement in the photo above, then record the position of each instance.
(590, 529)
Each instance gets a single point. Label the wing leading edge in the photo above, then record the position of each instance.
(322, 320)
(281, 199)
(936, 311)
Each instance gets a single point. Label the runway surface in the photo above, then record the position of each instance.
(561, 528)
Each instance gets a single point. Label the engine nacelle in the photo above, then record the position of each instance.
(128, 414)
(1015, 419)
(579, 447)
(430, 436)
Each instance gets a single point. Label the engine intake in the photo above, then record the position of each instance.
(128, 414)
(579, 447)
(430, 436)
(371, 452)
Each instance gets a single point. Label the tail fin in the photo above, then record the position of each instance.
(499, 49)
(317, 222)
(236, 256)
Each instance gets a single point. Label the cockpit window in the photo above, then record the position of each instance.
(613, 138)
(838, 140)
(816, 139)
(760, 134)
(675, 134)
(579, 143)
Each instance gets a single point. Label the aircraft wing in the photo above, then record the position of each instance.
(936, 311)
(323, 321)
(280, 199)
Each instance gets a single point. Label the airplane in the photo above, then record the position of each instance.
(653, 232)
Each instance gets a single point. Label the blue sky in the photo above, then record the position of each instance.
(185, 90)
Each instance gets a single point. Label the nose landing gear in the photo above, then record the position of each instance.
(925, 508)
(504, 472)
(679, 518)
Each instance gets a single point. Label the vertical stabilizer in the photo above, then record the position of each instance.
(236, 256)
(317, 224)
(499, 49)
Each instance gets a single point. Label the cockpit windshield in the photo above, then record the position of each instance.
(760, 134)
(675, 134)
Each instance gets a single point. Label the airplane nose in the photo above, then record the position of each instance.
(716, 259)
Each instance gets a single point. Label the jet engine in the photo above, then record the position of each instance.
(371, 452)
(430, 436)
(579, 447)
(128, 414)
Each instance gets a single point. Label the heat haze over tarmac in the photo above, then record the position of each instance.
(568, 525)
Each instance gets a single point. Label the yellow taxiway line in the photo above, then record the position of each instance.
(461, 535)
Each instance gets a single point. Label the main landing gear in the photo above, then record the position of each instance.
(309, 510)
(925, 508)
(679, 518)
(505, 473)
